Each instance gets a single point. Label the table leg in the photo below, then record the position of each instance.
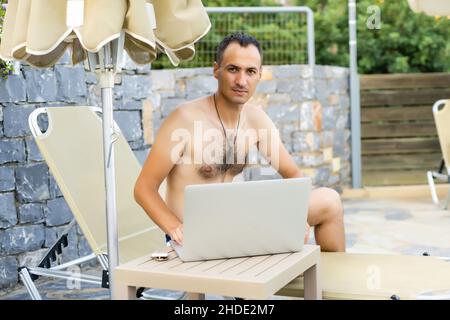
(195, 296)
(124, 292)
(311, 283)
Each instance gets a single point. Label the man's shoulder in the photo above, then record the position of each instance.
(256, 116)
(188, 110)
(181, 115)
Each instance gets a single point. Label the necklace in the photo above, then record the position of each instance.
(225, 166)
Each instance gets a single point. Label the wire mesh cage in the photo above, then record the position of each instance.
(282, 35)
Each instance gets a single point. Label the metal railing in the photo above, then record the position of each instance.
(284, 36)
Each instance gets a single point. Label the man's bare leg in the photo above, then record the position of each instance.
(326, 214)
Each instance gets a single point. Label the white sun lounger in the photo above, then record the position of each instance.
(72, 147)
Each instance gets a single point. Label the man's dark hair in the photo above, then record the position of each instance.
(243, 39)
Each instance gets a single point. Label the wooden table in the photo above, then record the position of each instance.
(256, 277)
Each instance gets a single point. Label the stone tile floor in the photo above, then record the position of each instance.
(392, 226)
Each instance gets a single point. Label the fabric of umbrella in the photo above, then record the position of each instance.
(39, 31)
(97, 31)
(431, 7)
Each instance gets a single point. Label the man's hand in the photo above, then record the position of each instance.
(308, 228)
(177, 234)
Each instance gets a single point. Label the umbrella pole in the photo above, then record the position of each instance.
(106, 63)
(106, 78)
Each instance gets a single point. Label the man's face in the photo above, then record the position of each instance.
(239, 72)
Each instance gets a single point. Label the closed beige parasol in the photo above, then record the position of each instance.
(39, 31)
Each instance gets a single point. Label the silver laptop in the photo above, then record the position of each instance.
(227, 220)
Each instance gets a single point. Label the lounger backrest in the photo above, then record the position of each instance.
(442, 120)
(73, 149)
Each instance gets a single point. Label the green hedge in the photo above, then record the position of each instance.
(406, 42)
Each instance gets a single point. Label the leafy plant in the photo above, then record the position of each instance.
(5, 67)
(405, 41)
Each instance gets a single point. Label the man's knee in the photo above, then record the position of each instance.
(331, 202)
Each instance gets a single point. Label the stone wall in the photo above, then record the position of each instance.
(309, 106)
(33, 211)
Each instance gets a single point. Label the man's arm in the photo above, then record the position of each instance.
(273, 149)
(157, 166)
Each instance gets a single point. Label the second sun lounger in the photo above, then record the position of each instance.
(441, 112)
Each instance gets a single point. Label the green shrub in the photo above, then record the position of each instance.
(5, 67)
(406, 41)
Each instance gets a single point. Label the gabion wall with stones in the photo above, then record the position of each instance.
(33, 212)
(309, 106)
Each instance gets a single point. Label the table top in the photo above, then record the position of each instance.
(257, 276)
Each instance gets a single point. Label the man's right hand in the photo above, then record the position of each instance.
(308, 228)
(177, 234)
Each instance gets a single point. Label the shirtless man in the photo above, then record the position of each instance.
(182, 155)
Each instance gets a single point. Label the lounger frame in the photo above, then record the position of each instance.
(441, 112)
